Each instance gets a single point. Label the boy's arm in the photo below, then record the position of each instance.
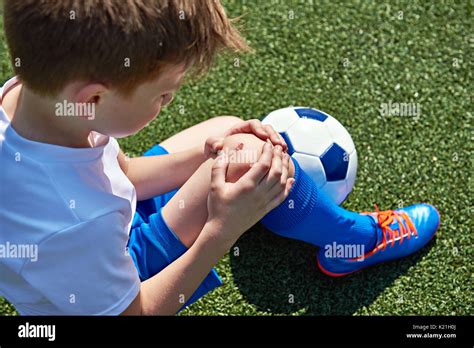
(180, 278)
(154, 175)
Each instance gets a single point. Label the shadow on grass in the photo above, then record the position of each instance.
(270, 268)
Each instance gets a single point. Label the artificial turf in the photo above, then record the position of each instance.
(347, 58)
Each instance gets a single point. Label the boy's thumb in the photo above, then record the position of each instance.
(219, 169)
(217, 144)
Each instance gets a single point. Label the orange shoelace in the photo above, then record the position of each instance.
(385, 219)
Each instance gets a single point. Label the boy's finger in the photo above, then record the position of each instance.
(273, 135)
(258, 129)
(285, 145)
(276, 137)
(251, 126)
(219, 171)
(281, 183)
(260, 168)
(215, 143)
(286, 167)
(218, 145)
(275, 172)
(281, 196)
(284, 170)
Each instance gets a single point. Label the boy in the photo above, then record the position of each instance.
(69, 190)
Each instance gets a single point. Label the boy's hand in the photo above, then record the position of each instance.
(215, 144)
(234, 208)
(256, 127)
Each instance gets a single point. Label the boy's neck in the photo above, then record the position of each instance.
(33, 117)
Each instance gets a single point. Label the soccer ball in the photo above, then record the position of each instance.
(322, 147)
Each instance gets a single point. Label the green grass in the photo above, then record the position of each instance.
(420, 55)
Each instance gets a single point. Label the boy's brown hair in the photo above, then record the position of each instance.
(121, 43)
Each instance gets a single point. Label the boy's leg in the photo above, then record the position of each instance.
(309, 215)
(159, 238)
(186, 212)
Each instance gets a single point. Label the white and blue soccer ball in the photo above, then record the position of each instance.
(322, 147)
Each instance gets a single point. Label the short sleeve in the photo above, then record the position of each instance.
(86, 269)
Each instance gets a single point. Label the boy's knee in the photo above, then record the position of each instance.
(241, 150)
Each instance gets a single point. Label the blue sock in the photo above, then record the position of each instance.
(308, 214)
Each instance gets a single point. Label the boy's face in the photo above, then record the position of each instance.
(120, 117)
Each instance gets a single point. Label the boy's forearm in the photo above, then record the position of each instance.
(166, 292)
(154, 175)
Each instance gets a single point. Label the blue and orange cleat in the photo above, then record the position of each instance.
(399, 233)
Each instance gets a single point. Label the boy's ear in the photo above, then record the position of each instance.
(91, 93)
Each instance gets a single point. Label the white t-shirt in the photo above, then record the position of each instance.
(65, 216)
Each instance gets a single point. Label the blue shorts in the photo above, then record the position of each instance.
(153, 245)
